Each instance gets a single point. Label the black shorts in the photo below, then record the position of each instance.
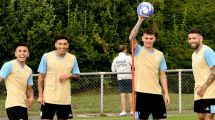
(125, 86)
(204, 106)
(17, 113)
(63, 111)
(147, 104)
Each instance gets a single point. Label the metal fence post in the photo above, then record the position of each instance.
(179, 91)
(102, 93)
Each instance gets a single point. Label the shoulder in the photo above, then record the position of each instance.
(208, 49)
(158, 52)
(28, 68)
(9, 63)
(48, 53)
(70, 55)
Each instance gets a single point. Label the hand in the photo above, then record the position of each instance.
(201, 90)
(167, 99)
(141, 18)
(41, 100)
(64, 77)
(30, 102)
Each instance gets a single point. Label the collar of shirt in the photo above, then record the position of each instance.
(122, 54)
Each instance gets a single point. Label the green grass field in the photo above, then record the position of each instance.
(89, 103)
(172, 117)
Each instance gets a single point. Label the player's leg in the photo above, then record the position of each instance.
(64, 112)
(143, 105)
(205, 108)
(17, 113)
(123, 102)
(130, 102)
(48, 111)
(200, 116)
(208, 116)
(122, 90)
(129, 92)
(158, 108)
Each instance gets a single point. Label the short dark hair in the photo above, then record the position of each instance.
(21, 44)
(121, 48)
(60, 37)
(150, 31)
(195, 30)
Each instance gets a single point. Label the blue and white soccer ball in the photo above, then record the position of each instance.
(145, 9)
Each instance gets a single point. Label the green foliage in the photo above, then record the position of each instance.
(96, 27)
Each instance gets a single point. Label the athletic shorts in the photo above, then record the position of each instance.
(17, 113)
(125, 86)
(63, 111)
(147, 104)
(204, 106)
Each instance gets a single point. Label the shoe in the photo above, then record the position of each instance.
(122, 114)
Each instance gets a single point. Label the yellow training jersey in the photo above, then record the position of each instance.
(201, 71)
(147, 68)
(56, 92)
(16, 85)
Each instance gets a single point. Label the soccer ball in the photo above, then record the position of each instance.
(145, 9)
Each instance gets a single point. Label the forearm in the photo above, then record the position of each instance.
(75, 76)
(40, 85)
(135, 30)
(30, 92)
(164, 83)
(211, 77)
(1, 79)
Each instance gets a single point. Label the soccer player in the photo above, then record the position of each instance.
(203, 65)
(122, 63)
(18, 81)
(149, 66)
(55, 70)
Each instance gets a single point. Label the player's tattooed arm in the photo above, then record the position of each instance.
(210, 80)
(211, 77)
(136, 28)
(1, 79)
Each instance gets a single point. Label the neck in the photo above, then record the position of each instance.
(60, 55)
(200, 46)
(22, 63)
(149, 48)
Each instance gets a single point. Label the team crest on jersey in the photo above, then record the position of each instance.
(198, 58)
(69, 64)
(157, 58)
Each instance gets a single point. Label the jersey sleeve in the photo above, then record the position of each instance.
(210, 57)
(6, 70)
(137, 50)
(75, 69)
(163, 65)
(43, 65)
(30, 80)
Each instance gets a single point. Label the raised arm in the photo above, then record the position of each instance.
(136, 28)
(1, 79)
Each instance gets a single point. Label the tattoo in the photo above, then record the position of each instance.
(211, 77)
(135, 30)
